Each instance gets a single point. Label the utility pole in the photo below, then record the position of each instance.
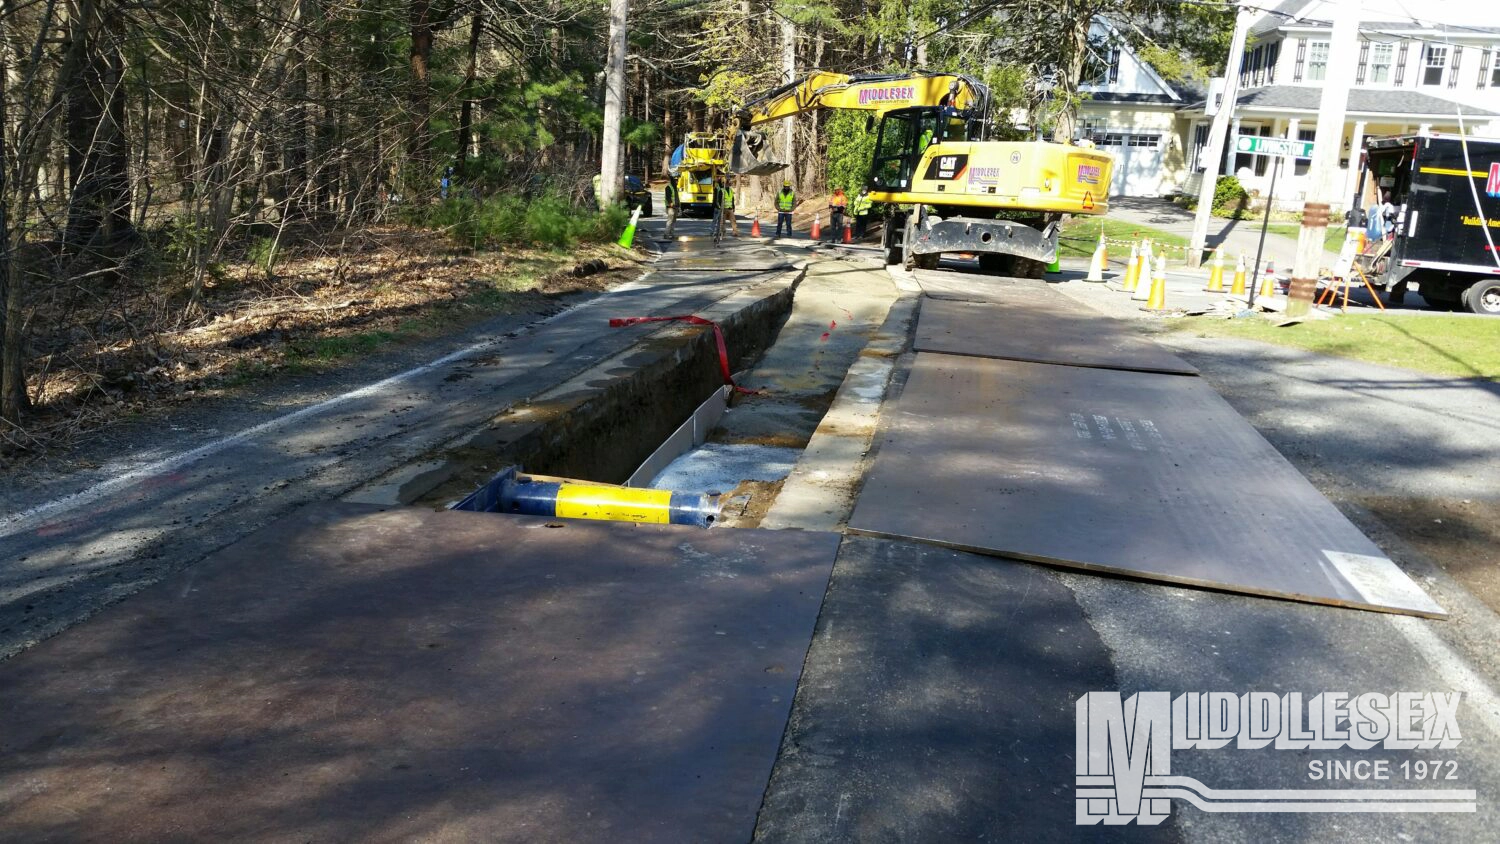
(1322, 181)
(1214, 153)
(610, 177)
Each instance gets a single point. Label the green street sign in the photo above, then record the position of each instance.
(1257, 145)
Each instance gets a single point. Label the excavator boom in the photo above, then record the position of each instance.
(877, 92)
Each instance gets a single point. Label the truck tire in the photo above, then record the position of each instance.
(1483, 297)
(890, 238)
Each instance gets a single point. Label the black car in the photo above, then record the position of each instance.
(637, 195)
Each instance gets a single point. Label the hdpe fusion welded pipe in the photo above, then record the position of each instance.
(512, 492)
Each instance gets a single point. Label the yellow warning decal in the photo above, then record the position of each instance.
(1445, 171)
(617, 504)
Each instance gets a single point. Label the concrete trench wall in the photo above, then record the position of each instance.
(603, 424)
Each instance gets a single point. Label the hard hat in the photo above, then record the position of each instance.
(787, 183)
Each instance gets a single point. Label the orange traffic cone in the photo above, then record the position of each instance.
(1157, 298)
(1132, 268)
(1238, 289)
(1216, 273)
(817, 229)
(755, 226)
(1142, 290)
(1268, 284)
(848, 233)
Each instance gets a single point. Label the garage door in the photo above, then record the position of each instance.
(1138, 162)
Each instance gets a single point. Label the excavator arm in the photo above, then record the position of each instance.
(876, 92)
(869, 92)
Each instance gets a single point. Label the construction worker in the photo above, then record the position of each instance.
(837, 205)
(785, 202)
(670, 196)
(860, 208)
(731, 223)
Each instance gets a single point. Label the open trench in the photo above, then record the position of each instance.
(791, 349)
(838, 307)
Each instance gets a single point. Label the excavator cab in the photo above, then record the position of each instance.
(904, 136)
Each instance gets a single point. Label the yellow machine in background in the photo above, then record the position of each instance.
(958, 191)
(703, 160)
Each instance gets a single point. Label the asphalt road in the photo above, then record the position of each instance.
(937, 701)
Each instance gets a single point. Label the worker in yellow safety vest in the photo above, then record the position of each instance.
(785, 202)
(726, 202)
(860, 208)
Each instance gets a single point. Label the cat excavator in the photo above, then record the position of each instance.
(955, 190)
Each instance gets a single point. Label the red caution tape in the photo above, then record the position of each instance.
(622, 322)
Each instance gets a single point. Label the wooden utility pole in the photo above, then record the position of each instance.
(1213, 154)
(610, 178)
(1322, 177)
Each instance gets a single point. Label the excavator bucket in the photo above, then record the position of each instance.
(743, 160)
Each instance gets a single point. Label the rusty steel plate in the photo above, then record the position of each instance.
(357, 674)
(1035, 329)
(1134, 473)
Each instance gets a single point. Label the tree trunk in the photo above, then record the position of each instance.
(1066, 95)
(466, 111)
(419, 146)
(610, 178)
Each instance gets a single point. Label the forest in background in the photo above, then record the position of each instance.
(151, 150)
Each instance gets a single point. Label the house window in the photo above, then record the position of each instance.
(1380, 63)
(1300, 166)
(1144, 140)
(1317, 61)
(1273, 55)
(1495, 72)
(1434, 62)
(1105, 64)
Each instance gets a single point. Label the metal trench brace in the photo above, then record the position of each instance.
(1001, 237)
(549, 497)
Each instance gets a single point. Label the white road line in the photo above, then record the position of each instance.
(1453, 668)
(17, 522)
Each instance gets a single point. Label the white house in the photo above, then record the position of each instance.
(1412, 77)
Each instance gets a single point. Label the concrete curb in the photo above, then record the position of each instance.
(819, 493)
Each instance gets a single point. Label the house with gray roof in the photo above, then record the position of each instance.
(1412, 77)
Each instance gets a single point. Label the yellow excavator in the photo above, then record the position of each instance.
(961, 192)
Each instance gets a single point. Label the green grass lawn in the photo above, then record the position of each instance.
(1081, 234)
(1467, 347)
(1333, 237)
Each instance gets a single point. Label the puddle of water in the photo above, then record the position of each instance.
(719, 467)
